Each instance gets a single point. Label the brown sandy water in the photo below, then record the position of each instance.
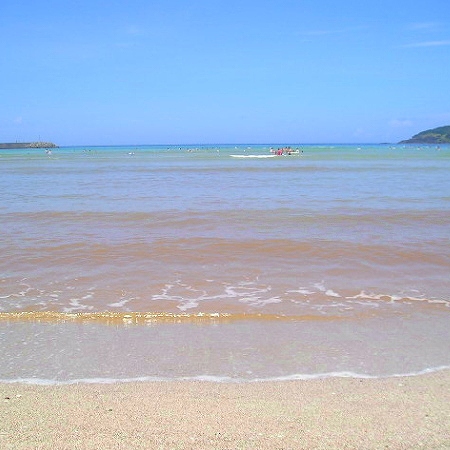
(167, 263)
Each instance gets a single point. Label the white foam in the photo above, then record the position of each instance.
(392, 298)
(331, 293)
(222, 379)
(301, 291)
(189, 304)
(320, 286)
(77, 306)
(258, 301)
(120, 303)
(188, 297)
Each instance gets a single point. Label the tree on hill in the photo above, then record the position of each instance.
(440, 135)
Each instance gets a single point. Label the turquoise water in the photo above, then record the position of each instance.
(339, 253)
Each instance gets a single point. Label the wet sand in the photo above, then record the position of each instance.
(334, 413)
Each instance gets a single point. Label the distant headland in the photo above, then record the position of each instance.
(28, 145)
(440, 135)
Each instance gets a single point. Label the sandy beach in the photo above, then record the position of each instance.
(333, 413)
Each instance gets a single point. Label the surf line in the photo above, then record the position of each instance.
(138, 318)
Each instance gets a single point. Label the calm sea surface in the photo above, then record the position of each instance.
(224, 262)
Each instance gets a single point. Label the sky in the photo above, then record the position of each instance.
(116, 72)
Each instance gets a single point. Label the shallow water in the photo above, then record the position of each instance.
(342, 245)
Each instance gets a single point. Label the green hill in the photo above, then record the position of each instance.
(440, 135)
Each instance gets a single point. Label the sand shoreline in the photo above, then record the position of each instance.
(333, 413)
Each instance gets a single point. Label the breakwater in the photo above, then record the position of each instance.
(12, 145)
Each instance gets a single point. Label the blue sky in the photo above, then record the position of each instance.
(222, 71)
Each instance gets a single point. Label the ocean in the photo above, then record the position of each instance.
(223, 262)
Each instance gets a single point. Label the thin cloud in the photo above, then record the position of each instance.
(400, 123)
(427, 44)
(331, 31)
(424, 26)
(135, 31)
(131, 36)
(320, 32)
